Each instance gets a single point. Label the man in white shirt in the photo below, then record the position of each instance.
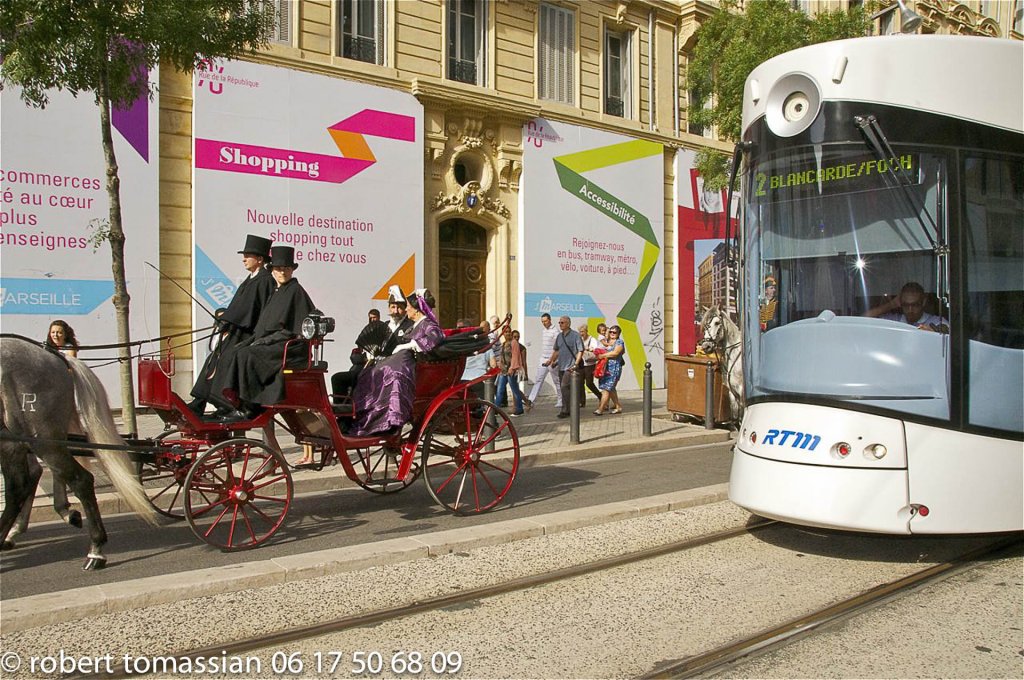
(544, 368)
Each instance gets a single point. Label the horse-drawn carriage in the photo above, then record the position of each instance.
(235, 490)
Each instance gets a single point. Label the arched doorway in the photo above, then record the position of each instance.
(462, 266)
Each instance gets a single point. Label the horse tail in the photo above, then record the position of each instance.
(98, 424)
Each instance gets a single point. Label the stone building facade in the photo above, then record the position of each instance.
(482, 70)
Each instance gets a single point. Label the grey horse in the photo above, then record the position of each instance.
(43, 397)
(722, 337)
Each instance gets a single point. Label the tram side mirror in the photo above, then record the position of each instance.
(316, 325)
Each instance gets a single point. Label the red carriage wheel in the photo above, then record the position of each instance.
(376, 467)
(237, 494)
(470, 455)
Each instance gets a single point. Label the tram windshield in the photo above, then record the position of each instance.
(846, 252)
(851, 267)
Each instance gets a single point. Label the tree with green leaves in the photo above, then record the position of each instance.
(106, 48)
(731, 43)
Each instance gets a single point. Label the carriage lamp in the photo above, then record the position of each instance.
(876, 451)
(316, 325)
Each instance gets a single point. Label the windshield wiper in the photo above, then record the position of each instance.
(879, 145)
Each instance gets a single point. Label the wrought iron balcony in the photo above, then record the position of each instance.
(462, 71)
(613, 106)
(360, 48)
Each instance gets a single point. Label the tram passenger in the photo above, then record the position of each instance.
(908, 307)
(769, 305)
(61, 337)
(239, 319)
(384, 394)
(253, 368)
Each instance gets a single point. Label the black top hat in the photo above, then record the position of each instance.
(282, 256)
(255, 245)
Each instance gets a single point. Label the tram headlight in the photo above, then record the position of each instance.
(876, 451)
(792, 104)
(795, 107)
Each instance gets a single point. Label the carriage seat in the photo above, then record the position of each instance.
(458, 345)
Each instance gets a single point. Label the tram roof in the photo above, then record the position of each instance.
(968, 77)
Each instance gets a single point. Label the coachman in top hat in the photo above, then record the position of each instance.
(237, 322)
(252, 370)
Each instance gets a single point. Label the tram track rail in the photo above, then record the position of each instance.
(299, 633)
(776, 637)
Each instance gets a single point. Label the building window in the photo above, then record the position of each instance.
(691, 127)
(1018, 16)
(618, 73)
(466, 44)
(362, 30)
(282, 10)
(887, 24)
(556, 54)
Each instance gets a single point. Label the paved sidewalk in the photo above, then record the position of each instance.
(543, 439)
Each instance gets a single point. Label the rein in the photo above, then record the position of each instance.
(116, 345)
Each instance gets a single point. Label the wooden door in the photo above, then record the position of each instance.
(462, 272)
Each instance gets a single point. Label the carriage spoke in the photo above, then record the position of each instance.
(217, 520)
(452, 476)
(231, 527)
(462, 484)
(248, 524)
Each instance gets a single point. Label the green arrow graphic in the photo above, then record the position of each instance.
(570, 169)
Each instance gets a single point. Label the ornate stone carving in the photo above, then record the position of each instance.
(467, 200)
(435, 159)
(508, 177)
(620, 12)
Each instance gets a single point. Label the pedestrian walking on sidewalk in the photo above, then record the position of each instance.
(547, 346)
(590, 343)
(613, 359)
(510, 363)
(568, 358)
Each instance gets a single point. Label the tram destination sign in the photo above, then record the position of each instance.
(794, 178)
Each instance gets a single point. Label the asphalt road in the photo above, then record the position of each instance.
(50, 556)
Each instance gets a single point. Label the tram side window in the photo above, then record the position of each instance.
(994, 218)
(994, 204)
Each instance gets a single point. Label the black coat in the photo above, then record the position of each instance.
(253, 369)
(244, 311)
(237, 323)
(398, 337)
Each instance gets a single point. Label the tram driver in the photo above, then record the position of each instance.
(908, 307)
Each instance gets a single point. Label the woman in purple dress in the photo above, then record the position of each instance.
(384, 393)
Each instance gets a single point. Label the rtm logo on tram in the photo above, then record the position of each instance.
(800, 440)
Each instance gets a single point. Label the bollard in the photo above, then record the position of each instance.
(648, 379)
(492, 420)
(709, 397)
(575, 388)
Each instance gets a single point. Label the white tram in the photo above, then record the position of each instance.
(871, 163)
